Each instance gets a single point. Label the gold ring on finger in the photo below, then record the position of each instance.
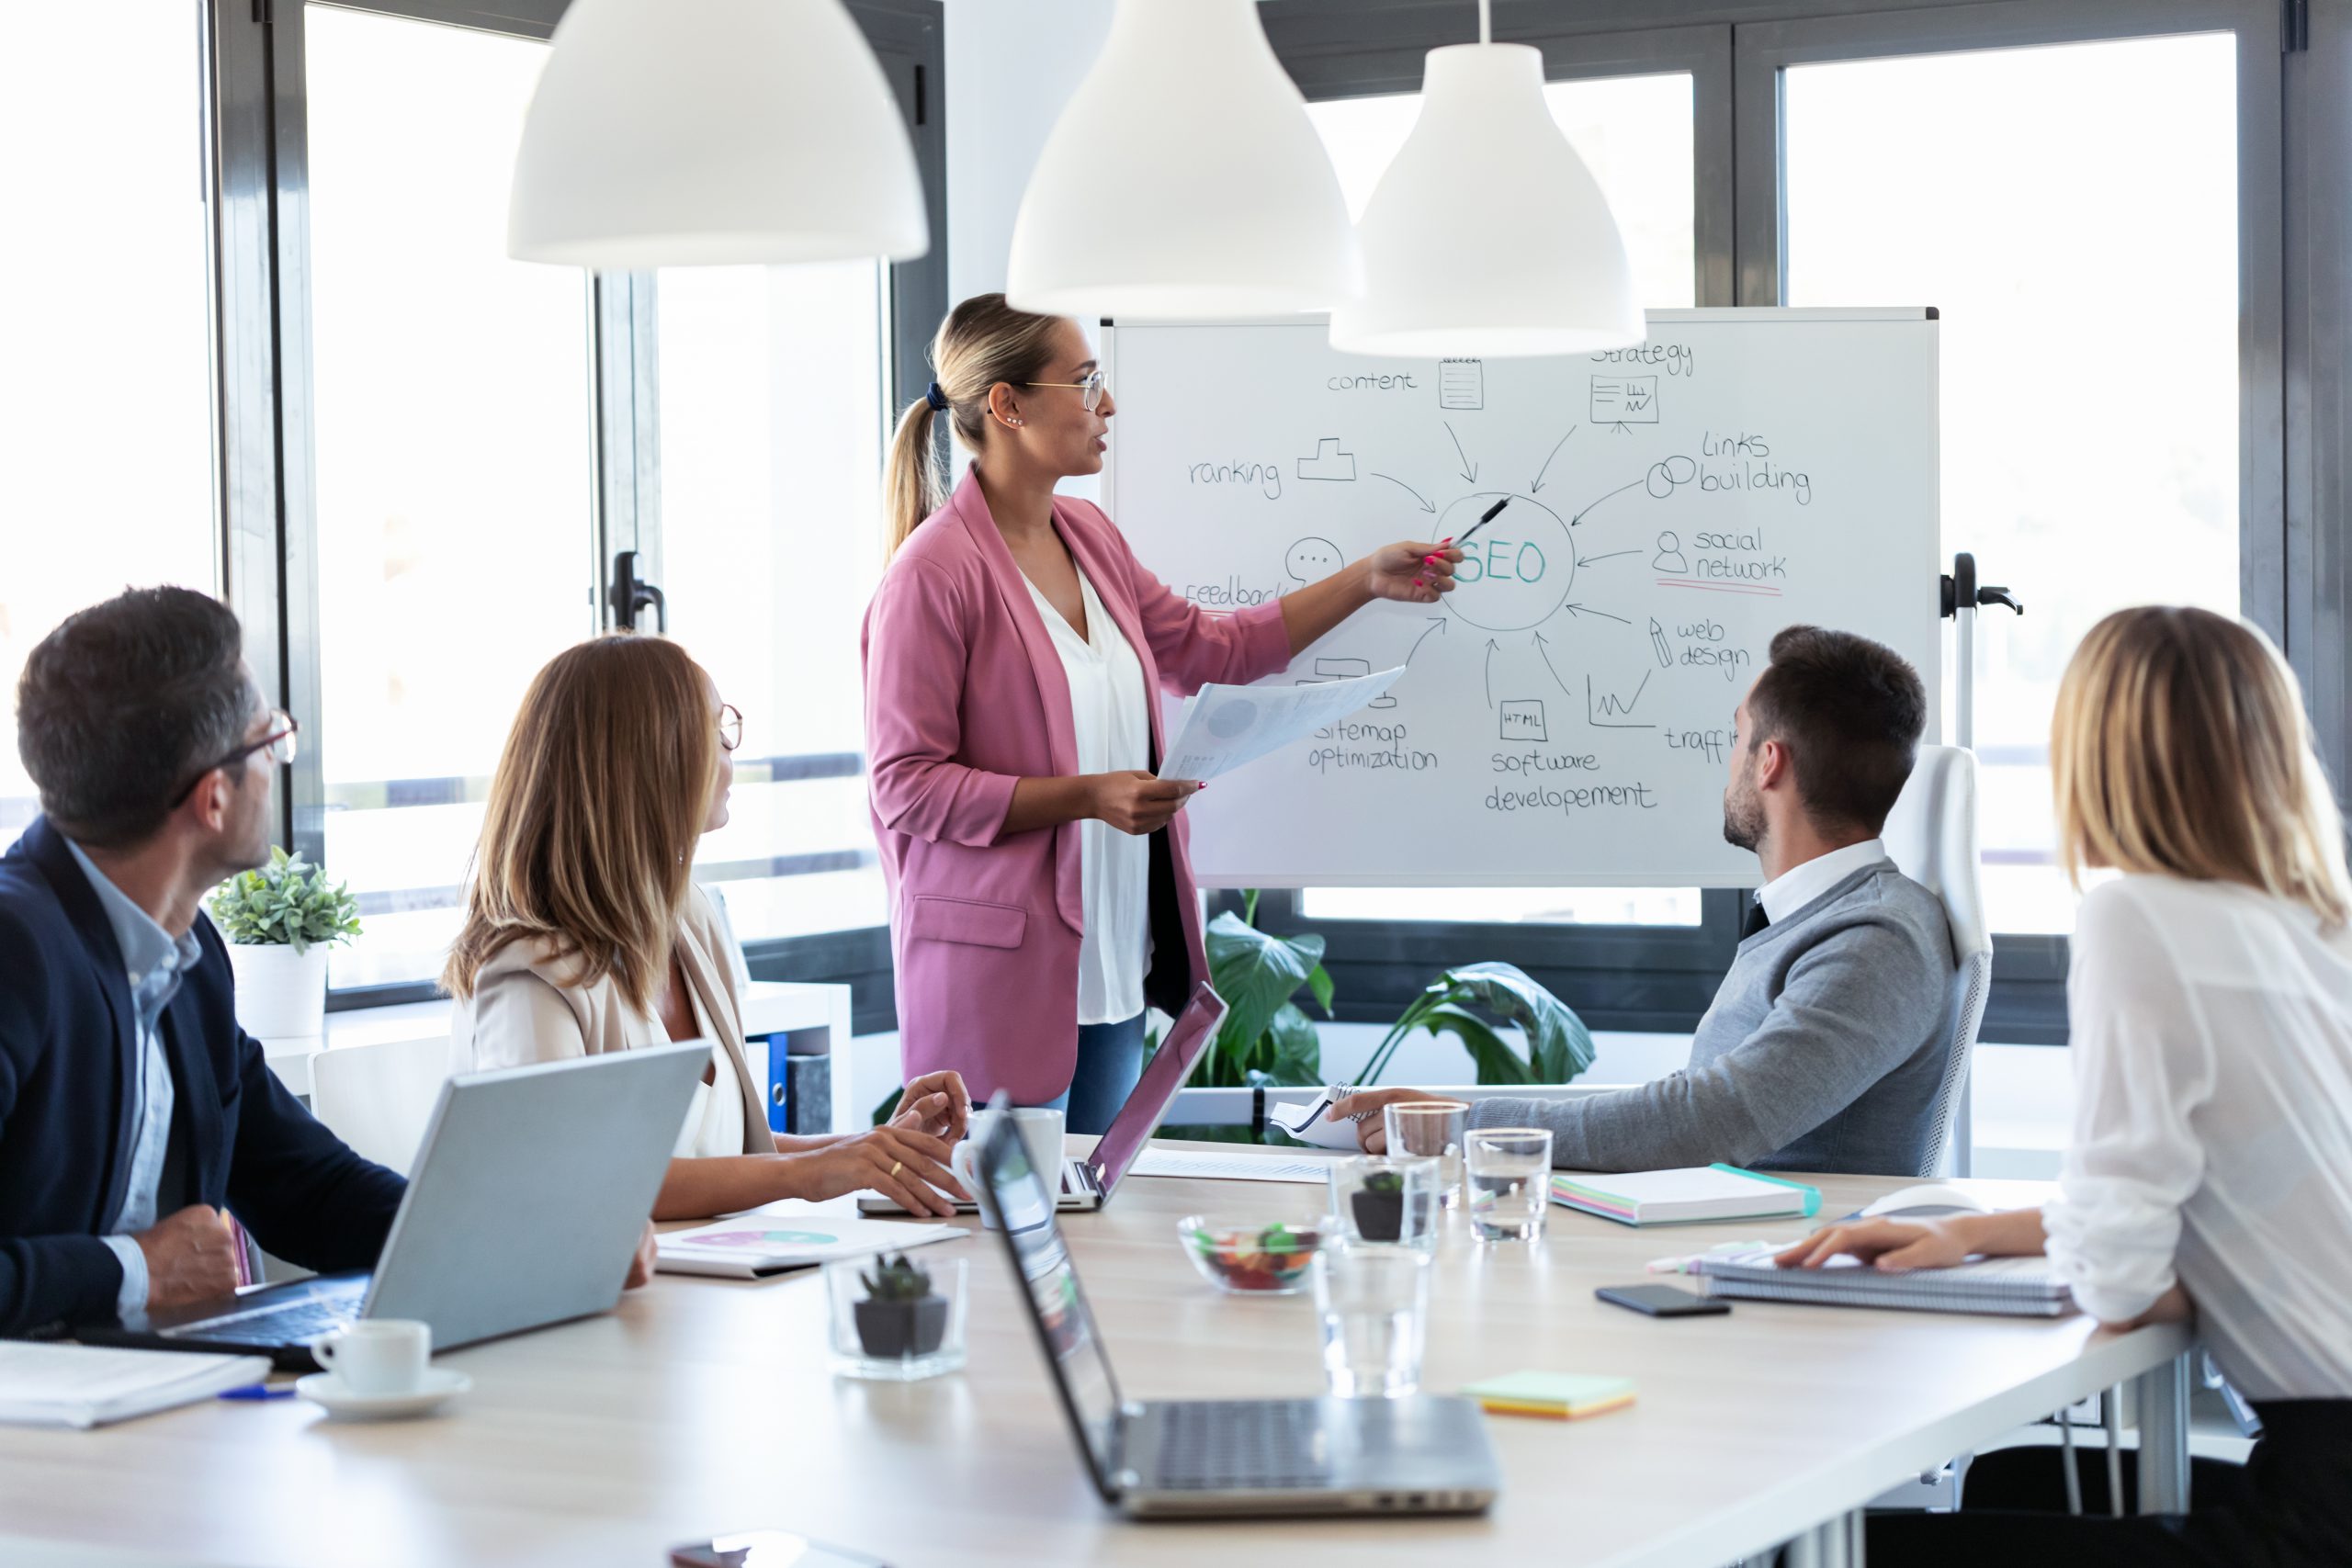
(895, 1165)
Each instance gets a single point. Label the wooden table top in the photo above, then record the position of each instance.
(702, 1406)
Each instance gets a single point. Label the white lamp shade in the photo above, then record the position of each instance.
(1183, 182)
(713, 132)
(1487, 236)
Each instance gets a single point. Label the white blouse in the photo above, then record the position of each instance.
(1113, 728)
(714, 1123)
(2212, 1139)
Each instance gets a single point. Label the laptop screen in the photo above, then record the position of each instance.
(1066, 1330)
(1156, 1091)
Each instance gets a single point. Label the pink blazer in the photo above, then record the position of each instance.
(965, 695)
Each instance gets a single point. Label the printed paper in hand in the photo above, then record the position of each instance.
(1225, 727)
(790, 1234)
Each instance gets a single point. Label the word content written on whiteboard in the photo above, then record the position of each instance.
(1565, 716)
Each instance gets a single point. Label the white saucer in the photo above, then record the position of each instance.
(326, 1389)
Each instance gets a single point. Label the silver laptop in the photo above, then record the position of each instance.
(530, 1196)
(1181, 1458)
(1088, 1182)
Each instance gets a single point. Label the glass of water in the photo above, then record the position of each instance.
(1510, 1181)
(1432, 1129)
(1374, 1305)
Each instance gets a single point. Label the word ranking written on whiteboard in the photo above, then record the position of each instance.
(1653, 517)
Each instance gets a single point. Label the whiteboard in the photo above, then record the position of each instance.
(1565, 713)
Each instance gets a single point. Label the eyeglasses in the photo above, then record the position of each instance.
(1089, 390)
(277, 743)
(730, 726)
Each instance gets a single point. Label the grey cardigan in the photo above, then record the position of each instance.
(1823, 1051)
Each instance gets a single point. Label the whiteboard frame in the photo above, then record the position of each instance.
(1106, 353)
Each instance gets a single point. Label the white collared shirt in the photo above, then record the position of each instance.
(1114, 730)
(1800, 885)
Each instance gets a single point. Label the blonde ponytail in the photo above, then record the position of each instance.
(983, 341)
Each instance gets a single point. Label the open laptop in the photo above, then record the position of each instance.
(530, 1196)
(1427, 1454)
(1087, 1183)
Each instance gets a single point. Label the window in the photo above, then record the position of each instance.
(2084, 255)
(106, 409)
(1635, 134)
(772, 429)
(455, 459)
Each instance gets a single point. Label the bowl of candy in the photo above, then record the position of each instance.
(1252, 1259)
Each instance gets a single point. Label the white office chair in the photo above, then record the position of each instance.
(1931, 837)
(378, 1098)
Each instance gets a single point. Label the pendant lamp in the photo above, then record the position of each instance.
(1487, 236)
(1183, 182)
(713, 132)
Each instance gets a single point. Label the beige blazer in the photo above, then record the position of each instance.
(529, 1005)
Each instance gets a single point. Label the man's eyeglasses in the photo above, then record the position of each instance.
(730, 726)
(278, 741)
(1089, 390)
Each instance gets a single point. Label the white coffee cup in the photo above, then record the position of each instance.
(1040, 1132)
(376, 1355)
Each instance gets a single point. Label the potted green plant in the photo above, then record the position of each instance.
(281, 920)
(900, 1315)
(1379, 1206)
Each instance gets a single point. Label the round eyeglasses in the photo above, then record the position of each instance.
(1089, 391)
(730, 726)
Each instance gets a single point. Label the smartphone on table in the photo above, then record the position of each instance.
(768, 1549)
(1663, 1301)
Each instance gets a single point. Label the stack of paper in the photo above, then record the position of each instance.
(2008, 1287)
(1563, 1396)
(81, 1386)
(790, 1234)
(1684, 1197)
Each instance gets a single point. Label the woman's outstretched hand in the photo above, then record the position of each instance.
(1412, 572)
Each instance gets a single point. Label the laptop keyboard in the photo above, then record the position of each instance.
(1208, 1445)
(291, 1323)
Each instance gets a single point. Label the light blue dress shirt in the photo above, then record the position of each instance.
(155, 963)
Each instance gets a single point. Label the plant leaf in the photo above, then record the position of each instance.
(1495, 1060)
(1318, 981)
(1256, 973)
(1559, 1046)
(1298, 1050)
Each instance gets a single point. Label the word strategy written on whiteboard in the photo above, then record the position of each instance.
(1565, 713)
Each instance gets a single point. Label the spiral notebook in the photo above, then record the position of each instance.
(2007, 1287)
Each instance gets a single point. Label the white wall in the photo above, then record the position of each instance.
(1011, 66)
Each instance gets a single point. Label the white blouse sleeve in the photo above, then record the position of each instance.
(2143, 1063)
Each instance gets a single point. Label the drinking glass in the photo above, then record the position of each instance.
(1374, 1305)
(1383, 1198)
(1510, 1181)
(1433, 1128)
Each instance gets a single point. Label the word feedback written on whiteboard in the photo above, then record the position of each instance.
(1565, 713)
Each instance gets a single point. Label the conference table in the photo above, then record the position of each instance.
(702, 1406)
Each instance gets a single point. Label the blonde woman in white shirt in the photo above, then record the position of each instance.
(2210, 1175)
(584, 932)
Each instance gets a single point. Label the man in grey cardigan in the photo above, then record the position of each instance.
(1824, 1047)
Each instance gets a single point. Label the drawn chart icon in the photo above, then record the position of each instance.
(1625, 400)
(1523, 719)
(1462, 384)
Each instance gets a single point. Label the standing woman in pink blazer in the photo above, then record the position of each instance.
(1040, 890)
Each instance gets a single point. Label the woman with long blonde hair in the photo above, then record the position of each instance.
(2210, 1175)
(1015, 654)
(584, 932)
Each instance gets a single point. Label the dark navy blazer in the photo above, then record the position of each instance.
(69, 1061)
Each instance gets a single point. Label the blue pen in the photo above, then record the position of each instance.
(257, 1393)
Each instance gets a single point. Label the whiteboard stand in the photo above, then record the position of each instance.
(1962, 597)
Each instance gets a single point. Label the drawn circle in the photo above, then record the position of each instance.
(1517, 572)
(1312, 559)
(1664, 476)
(1235, 718)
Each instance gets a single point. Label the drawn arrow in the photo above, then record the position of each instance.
(1563, 441)
(1469, 468)
(1619, 490)
(1622, 428)
(1582, 610)
(1542, 650)
(1587, 561)
(1490, 671)
(1408, 490)
(1437, 624)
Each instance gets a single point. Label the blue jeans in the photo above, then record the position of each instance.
(1110, 1060)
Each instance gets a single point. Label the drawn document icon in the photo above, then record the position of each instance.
(1461, 384)
(1625, 400)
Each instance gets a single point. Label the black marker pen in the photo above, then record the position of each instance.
(1484, 518)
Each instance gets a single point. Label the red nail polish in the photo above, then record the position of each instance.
(1447, 540)
(1418, 583)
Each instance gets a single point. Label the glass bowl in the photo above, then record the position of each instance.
(1250, 1259)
